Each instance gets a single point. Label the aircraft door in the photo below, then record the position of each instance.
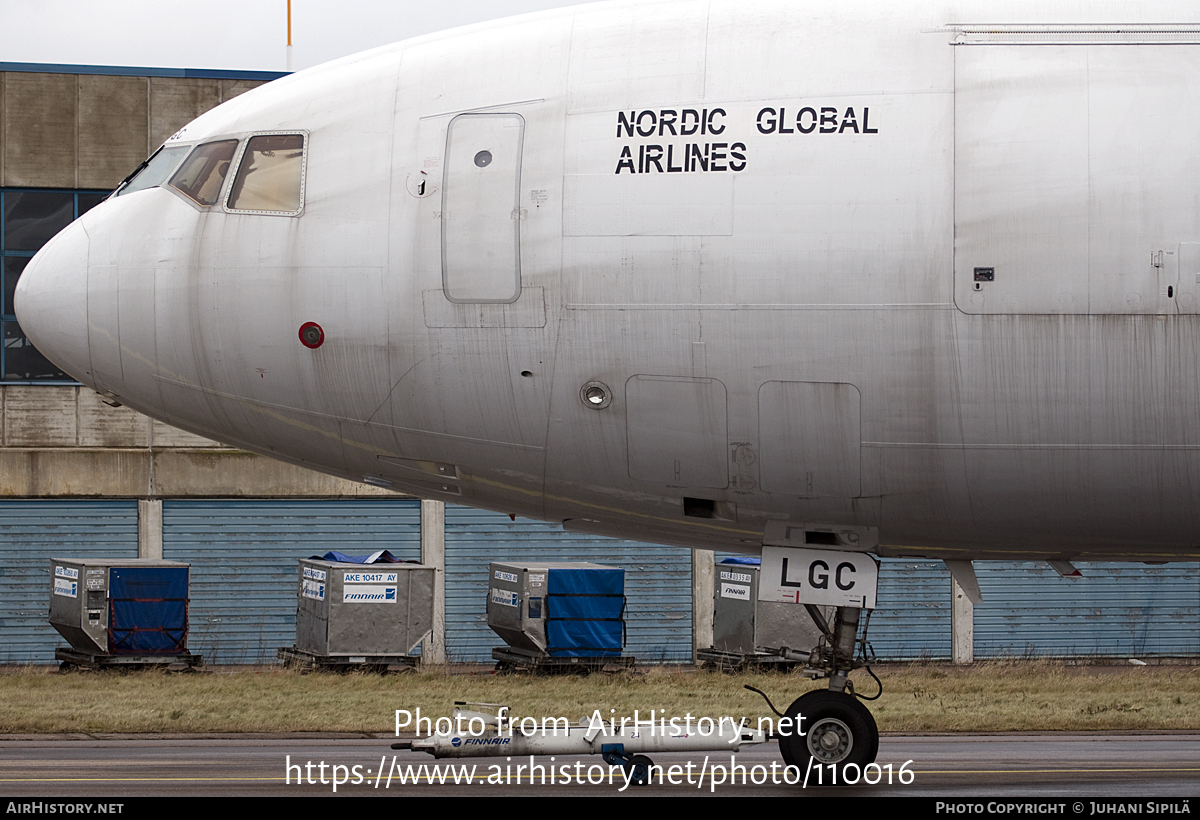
(481, 225)
(1075, 169)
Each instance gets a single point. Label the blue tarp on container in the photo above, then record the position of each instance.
(381, 557)
(584, 639)
(585, 611)
(148, 610)
(586, 581)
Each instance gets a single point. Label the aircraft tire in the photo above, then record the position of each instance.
(837, 730)
(639, 770)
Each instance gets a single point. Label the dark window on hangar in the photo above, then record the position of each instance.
(28, 219)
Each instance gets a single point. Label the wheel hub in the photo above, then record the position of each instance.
(830, 740)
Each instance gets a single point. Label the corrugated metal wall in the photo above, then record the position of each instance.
(1028, 610)
(244, 556)
(1114, 610)
(244, 552)
(32, 532)
(912, 621)
(658, 582)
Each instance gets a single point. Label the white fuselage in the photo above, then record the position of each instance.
(731, 273)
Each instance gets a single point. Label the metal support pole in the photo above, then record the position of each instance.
(433, 554)
(962, 624)
(150, 528)
(702, 599)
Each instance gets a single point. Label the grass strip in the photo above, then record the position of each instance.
(1017, 696)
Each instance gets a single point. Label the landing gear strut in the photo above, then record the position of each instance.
(837, 729)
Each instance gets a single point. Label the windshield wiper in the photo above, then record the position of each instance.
(134, 173)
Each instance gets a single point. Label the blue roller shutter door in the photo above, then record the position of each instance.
(31, 533)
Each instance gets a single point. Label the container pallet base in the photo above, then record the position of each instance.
(509, 659)
(719, 659)
(69, 659)
(291, 656)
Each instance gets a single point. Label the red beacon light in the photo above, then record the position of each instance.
(311, 335)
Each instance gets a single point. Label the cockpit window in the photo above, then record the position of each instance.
(270, 176)
(154, 171)
(204, 171)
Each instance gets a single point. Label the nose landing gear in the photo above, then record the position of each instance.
(831, 726)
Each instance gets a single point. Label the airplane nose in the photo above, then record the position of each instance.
(51, 301)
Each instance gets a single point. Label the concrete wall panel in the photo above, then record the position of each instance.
(39, 416)
(174, 103)
(118, 473)
(112, 128)
(40, 130)
(232, 88)
(70, 416)
(76, 473)
(91, 130)
(164, 435)
(237, 474)
(99, 425)
(116, 452)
